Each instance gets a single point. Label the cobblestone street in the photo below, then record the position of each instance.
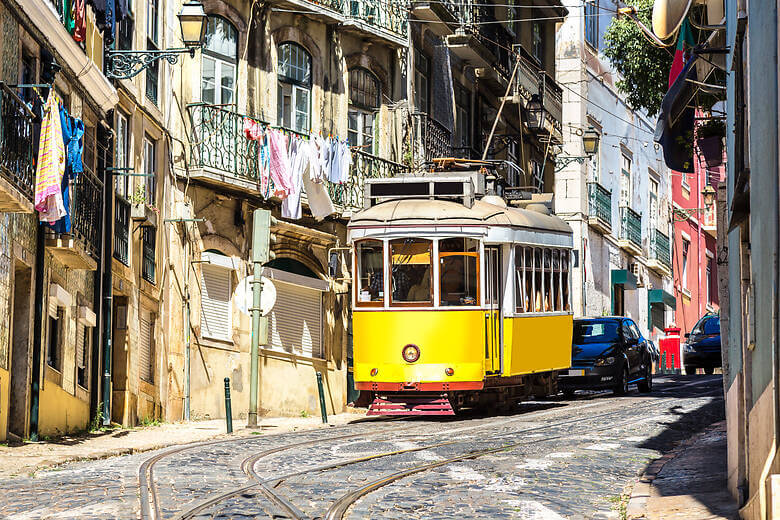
(568, 459)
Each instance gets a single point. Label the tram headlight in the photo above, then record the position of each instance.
(410, 353)
(449, 371)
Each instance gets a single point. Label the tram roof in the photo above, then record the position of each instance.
(421, 212)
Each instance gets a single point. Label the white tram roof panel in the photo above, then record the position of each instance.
(424, 212)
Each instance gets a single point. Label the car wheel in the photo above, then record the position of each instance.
(690, 370)
(709, 370)
(621, 386)
(646, 385)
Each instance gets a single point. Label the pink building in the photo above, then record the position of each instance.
(694, 252)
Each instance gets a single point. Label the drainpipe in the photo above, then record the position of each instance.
(187, 328)
(108, 297)
(37, 331)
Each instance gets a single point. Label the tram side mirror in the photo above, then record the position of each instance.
(333, 264)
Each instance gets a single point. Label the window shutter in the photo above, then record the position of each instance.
(215, 292)
(53, 307)
(295, 323)
(145, 347)
(81, 332)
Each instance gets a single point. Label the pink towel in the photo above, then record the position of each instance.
(281, 170)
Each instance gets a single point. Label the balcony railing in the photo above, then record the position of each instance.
(86, 206)
(436, 139)
(390, 16)
(148, 247)
(631, 226)
(220, 145)
(16, 142)
(122, 230)
(600, 203)
(660, 248)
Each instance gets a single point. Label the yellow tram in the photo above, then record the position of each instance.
(459, 300)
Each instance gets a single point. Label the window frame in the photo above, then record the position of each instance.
(525, 282)
(538, 47)
(356, 270)
(686, 247)
(150, 170)
(219, 60)
(432, 253)
(149, 263)
(625, 175)
(228, 272)
(296, 87)
(421, 73)
(438, 279)
(591, 29)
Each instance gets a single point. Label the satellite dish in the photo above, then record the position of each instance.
(243, 296)
(668, 15)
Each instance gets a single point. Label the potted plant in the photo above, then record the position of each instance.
(709, 138)
(140, 209)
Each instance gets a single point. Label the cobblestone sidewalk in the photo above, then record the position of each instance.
(687, 483)
(29, 457)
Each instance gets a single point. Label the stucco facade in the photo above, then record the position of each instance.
(617, 200)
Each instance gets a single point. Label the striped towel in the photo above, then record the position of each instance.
(51, 165)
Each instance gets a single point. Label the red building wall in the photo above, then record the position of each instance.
(695, 295)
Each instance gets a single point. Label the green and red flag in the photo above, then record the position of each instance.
(685, 44)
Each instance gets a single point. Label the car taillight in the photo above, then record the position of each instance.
(410, 353)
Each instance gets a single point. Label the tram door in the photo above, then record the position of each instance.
(493, 314)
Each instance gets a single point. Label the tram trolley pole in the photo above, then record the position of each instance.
(228, 407)
(323, 409)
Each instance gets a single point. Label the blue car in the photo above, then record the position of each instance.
(702, 348)
(607, 353)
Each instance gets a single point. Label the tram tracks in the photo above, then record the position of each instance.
(268, 486)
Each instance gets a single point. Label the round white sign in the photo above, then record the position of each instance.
(243, 297)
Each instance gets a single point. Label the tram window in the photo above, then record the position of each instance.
(556, 280)
(370, 267)
(458, 261)
(538, 281)
(565, 279)
(521, 294)
(549, 295)
(529, 279)
(411, 271)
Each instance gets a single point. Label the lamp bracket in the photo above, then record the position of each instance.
(562, 161)
(124, 64)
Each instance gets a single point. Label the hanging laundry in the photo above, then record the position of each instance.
(315, 164)
(280, 168)
(334, 153)
(291, 205)
(67, 15)
(51, 164)
(79, 20)
(317, 195)
(255, 131)
(345, 163)
(73, 140)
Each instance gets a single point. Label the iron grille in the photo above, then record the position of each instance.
(148, 246)
(16, 142)
(600, 202)
(631, 226)
(87, 204)
(122, 230)
(660, 248)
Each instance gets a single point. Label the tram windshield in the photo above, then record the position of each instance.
(370, 268)
(411, 270)
(458, 261)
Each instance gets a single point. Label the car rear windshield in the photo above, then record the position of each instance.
(595, 332)
(708, 326)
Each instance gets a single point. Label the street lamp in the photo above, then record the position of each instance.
(590, 143)
(536, 111)
(124, 64)
(683, 214)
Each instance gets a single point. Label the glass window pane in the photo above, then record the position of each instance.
(459, 280)
(548, 289)
(370, 271)
(301, 109)
(294, 63)
(221, 37)
(208, 81)
(411, 270)
(352, 133)
(228, 74)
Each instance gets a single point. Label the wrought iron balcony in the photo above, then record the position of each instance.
(630, 230)
(436, 140)
(599, 207)
(80, 248)
(17, 175)
(660, 252)
(221, 155)
(122, 230)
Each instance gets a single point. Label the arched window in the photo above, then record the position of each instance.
(220, 58)
(364, 100)
(294, 73)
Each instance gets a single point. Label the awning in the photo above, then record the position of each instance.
(659, 296)
(624, 277)
(675, 123)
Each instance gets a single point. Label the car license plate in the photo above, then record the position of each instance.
(576, 372)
